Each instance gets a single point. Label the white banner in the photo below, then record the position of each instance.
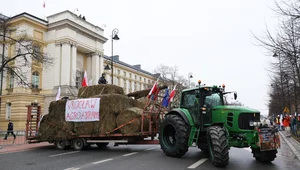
(83, 110)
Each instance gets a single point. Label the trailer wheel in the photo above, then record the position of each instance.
(218, 146)
(61, 144)
(102, 145)
(78, 144)
(173, 136)
(264, 156)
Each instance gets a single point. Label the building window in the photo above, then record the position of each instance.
(130, 75)
(140, 78)
(148, 81)
(124, 74)
(118, 81)
(130, 86)
(11, 79)
(145, 80)
(35, 80)
(8, 111)
(135, 77)
(79, 76)
(135, 86)
(119, 72)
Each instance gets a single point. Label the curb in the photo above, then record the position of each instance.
(296, 153)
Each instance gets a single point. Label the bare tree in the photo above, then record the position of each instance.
(26, 53)
(285, 45)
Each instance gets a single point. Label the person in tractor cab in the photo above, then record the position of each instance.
(102, 79)
(10, 129)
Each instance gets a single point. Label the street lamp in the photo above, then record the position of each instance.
(114, 36)
(189, 77)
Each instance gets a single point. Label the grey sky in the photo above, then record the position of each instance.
(212, 39)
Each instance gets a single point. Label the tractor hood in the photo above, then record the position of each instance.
(236, 108)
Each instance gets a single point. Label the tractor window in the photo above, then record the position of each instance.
(213, 100)
(188, 100)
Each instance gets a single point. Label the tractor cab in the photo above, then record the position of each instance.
(201, 100)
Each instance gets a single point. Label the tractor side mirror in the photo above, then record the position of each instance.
(235, 96)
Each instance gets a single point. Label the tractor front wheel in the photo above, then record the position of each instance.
(173, 136)
(218, 146)
(264, 156)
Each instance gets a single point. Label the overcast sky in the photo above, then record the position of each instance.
(212, 39)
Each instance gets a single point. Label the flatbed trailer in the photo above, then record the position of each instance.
(153, 111)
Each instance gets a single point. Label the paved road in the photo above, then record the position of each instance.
(136, 157)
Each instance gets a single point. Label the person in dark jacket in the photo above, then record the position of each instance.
(102, 79)
(10, 129)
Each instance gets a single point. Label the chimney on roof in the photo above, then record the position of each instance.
(138, 66)
(116, 57)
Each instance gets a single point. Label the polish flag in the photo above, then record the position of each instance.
(154, 88)
(85, 80)
(58, 94)
(172, 94)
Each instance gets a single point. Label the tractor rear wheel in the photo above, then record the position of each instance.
(173, 136)
(218, 146)
(264, 156)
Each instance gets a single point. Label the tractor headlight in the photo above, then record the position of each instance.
(255, 123)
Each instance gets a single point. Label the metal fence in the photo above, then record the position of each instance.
(20, 138)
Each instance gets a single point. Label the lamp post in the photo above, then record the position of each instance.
(189, 77)
(114, 36)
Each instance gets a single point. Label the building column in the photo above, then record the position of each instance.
(95, 68)
(65, 64)
(101, 64)
(73, 65)
(57, 60)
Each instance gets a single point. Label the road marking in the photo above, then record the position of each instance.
(196, 164)
(66, 153)
(99, 162)
(150, 148)
(72, 168)
(130, 154)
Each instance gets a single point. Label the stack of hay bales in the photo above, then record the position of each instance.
(115, 109)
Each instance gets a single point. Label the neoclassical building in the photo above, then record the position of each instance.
(75, 45)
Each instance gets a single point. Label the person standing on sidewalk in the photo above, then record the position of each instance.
(286, 124)
(277, 121)
(294, 125)
(10, 129)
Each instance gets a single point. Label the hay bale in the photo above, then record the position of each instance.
(139, 94)
(110, 106)
(128, 115)
(88, 91)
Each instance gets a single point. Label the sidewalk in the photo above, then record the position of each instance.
(292, 143)
(22, 147)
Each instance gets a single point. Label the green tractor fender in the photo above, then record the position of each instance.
(184, 114)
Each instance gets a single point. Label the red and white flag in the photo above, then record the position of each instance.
(58, 94)
(154, 88)
(85, 80)
(172, 94)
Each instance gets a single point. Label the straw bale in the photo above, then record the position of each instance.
(129, 114)
(139, 94)
(110, 106)
(88, 91)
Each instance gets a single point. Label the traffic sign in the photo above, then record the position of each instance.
(286, 110)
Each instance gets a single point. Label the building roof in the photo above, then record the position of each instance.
(3, 17)
(135, 67)
(25, 14)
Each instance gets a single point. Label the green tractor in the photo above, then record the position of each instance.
(204, 118)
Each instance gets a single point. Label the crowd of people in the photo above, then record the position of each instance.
(288, 123)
